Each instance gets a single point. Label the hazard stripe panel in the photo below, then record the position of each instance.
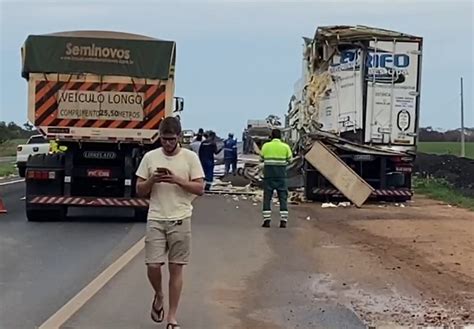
(385, 192)
(90, 201)
(46, 104)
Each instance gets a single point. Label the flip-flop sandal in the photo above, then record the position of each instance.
(157, 315)
(173, 326)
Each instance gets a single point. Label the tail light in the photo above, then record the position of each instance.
(403, 164)
(41, 175)
(19, 148)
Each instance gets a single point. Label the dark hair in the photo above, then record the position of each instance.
(200, 131)
(171, 126)
(276, 133)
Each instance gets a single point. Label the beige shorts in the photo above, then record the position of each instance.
(168, 238)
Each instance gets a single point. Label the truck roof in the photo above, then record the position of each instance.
(359, 32)
(99, 52)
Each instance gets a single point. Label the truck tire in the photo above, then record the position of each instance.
(45, 214)
(141, 214)
(310, 182)
(308, 187)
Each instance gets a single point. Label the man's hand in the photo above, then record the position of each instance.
(169, 178)
(195, 186)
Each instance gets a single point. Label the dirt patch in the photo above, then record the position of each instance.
(395, 266)
(459, 172)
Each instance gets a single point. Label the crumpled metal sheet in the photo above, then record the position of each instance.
(342, 143)
(357, 32)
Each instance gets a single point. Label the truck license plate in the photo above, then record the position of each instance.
(105, 173)
(403, 169)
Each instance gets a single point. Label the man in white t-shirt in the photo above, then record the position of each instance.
(171, 177)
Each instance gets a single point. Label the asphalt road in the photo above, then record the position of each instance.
(241, 276)
(42, 265)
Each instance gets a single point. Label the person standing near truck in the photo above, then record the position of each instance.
(196, 143)
(207, 150)
(171, 177)
(230, 154)
(275, 155)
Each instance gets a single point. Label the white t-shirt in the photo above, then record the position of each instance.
(169, 201)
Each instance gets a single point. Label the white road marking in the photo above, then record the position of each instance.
(23, 199)
(75, 304)
(13, 182)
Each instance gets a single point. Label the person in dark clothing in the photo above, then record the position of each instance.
(206, 154)
(230, 154)
(199, 135)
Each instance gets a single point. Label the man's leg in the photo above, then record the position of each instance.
(227, 163)
(282, 191)
(234, 166)
(155, 251)
(207, 176)
(179, 241)
(154, 276)
(175, 288)
(267, 202)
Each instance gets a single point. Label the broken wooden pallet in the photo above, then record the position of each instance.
(336, 171)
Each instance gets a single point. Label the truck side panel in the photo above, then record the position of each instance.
(392, 92)
(341, 108)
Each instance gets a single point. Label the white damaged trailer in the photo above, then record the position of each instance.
(360, 93)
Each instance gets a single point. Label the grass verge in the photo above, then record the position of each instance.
(8, 148)
(7, 169)
(451, 148)
(442, 191)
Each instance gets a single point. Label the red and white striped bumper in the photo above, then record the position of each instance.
(90, 201)
(376, 193)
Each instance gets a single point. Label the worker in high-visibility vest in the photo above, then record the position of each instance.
(53, 147)
(276, 155)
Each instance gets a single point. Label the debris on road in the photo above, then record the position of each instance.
(344, 204)
(328, 205)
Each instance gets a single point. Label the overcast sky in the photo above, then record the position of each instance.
(240, 60)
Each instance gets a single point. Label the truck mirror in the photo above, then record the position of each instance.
(178, 104)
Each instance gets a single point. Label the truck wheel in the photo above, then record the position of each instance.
(310, 182)
(49, 214)
(141, 215)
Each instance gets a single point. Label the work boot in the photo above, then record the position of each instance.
(266, 223)
(283, 224)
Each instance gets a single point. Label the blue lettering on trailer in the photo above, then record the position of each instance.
(374, 60)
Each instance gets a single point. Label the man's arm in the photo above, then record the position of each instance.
(145, 181)
(195, 186)
(144, 187)
(289, 155)
(262, 153)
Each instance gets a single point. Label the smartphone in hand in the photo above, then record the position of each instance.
(163, 171)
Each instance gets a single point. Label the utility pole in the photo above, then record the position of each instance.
(463, 146)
